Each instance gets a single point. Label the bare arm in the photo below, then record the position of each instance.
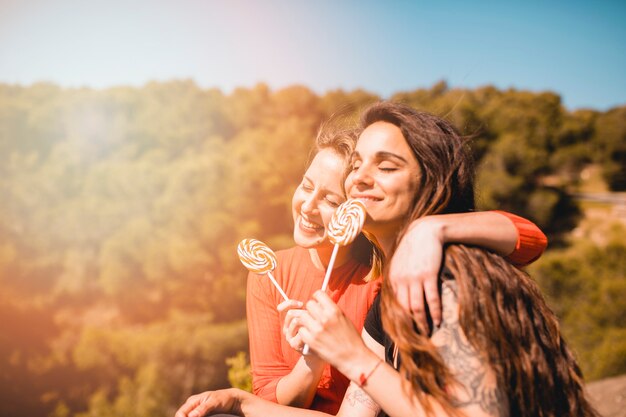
(298, 387)
(356, 402)
(476, 393)
(414, 268)
(240, 403)
(274, 378)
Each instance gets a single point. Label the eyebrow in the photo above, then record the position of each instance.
(382, 155)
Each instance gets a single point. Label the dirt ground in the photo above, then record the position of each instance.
(609, 396)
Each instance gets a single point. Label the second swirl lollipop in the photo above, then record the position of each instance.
(260, 259)
(344, 227)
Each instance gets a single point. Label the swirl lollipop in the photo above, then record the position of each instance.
(344, 227)
(260, 259)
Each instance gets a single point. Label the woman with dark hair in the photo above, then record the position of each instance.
(285, 376)
(408, 165)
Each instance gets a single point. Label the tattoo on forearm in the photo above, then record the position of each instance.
(469, 367)
(358, 396)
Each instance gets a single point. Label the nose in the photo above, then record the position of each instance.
(309, 205)
(361, 175)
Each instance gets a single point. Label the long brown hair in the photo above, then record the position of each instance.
(500, 308)
(504, 315)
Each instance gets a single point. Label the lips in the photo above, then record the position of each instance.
(309, 226)
(366, 198)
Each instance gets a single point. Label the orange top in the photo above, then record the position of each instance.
(270, 354)
(531, 241)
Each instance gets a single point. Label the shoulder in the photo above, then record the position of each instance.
(293, 254)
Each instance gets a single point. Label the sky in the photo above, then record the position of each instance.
(574, 48)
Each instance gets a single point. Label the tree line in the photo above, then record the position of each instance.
(120, 289)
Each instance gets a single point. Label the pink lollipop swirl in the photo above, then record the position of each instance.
(256, 256)
(347, 222)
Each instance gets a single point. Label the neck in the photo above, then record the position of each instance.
(385, 238)
(321, 256)
(386, 243)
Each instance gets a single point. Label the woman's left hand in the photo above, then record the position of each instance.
(328, 332)
(222, 401)
(291, 322)
(414, 271)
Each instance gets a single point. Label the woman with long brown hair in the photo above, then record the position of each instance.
(285, 376)
(498, 351)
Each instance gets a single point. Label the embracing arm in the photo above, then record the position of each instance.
(414, 268)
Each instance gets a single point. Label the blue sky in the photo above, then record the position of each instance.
(576, 49)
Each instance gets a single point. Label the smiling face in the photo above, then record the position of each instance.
(316, 199)
(385, 176)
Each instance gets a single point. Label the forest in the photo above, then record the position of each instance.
(121, 292)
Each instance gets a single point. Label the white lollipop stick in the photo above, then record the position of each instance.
(344, 227)
(280, 290)
(329, 269)
(260, 259)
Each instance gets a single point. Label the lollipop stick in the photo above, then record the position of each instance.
(329, 269)
(280, 290)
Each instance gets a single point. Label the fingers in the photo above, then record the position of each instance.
(191, 403)
(288, 305)
(291, 318)
(315, 315)
(403, 296)
(327, 306)
(417, 308)
(431, 293)
(292, 336)
(323, 298)
(200, 410)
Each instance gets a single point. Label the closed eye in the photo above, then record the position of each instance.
(387, 167)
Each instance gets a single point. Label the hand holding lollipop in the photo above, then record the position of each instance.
(260, 259)
(344, 227)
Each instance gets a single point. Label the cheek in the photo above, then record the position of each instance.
(403, 188)
(411, 190)
(348, 184)
(326, 214)
(296, 202)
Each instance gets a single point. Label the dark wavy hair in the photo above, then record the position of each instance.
(502, 313)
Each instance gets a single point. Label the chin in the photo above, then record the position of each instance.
(306, 243)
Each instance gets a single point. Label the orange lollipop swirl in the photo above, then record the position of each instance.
(347, 222)
(256, 256)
